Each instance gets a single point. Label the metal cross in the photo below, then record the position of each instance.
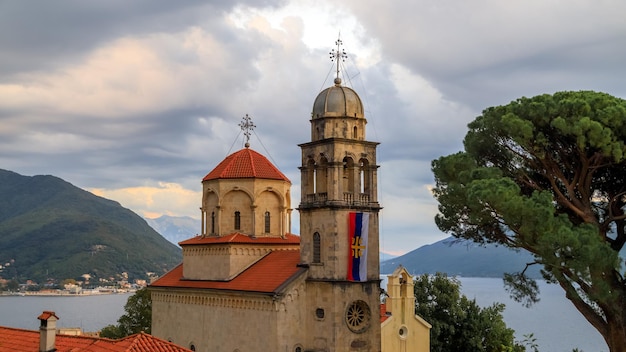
(247, 126)
(337, 55)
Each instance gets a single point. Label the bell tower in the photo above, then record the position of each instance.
(339, 240)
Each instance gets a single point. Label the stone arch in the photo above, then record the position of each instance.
(309, 176)
(321, 175)
(365, 177)
(210, 206)
(350, 176)
(233, 202)
(270, 207)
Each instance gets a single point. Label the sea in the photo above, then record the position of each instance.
(554, 322)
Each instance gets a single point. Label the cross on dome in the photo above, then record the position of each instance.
(247, 126)
(338, 55)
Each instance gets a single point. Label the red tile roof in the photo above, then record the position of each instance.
(383, 312)
(246, 163)
(267, 275)
(236, 238)
(18, 340)
(46, 315)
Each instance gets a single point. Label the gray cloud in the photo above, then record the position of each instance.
(118, 94)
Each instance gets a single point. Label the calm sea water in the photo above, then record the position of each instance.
(555, 323)
(91, 313)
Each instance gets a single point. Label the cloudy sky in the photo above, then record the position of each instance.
(138, 100)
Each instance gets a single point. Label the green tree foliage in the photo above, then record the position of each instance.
(547, 175)
(13, 285)
(458, 323)
(138, 317)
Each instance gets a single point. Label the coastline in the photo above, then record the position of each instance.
(65, 293)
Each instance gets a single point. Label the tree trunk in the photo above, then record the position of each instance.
(616, 336)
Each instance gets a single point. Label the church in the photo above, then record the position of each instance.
(246, 283)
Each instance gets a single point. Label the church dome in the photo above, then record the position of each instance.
(337, 101)
(245, 163)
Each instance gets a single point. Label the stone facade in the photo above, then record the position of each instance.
(229, 321)
(402, 330)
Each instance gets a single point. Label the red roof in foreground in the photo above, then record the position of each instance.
(236, 238)
(246, 163)
(265, 276)
(17, 340)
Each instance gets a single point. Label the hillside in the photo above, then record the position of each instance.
(464, 259)
(52, 229)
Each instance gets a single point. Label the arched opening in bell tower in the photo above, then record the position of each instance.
(321, 177)
(365, 176)
(310, 177)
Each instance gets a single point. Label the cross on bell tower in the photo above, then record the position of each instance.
(338, 56)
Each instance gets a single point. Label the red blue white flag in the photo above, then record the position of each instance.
(358, 228)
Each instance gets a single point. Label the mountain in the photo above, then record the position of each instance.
(462, 258)
(52, 229)
(175, 228)
(386, 256)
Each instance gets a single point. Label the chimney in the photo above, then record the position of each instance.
(47, 331)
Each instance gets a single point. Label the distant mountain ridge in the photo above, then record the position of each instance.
(175, 228)
(462, 258)
(52, 229)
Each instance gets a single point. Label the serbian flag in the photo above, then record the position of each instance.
(358, 226)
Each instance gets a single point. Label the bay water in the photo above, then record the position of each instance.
(554, 322)
(89, 312)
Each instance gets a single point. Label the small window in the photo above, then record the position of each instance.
(237, 220)
(212, 222)
(192, 347)
(319, 313)
(298, 348)
(267, 222)
(403, 332)
(317, 248)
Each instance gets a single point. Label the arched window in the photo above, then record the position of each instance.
(365, 176)
(212, 222)
(237, 220)
(348, 175)
(310, 177)
(354, 132)
(267, 222)
(317, 248)
(321, 174)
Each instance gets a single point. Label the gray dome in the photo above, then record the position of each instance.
(338, 101)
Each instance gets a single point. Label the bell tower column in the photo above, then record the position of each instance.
(339, 239)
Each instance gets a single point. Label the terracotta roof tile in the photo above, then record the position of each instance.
(18, 340)
(46, 315)
(383, 312)
(236, 238)
(246, 163)
(265, 276)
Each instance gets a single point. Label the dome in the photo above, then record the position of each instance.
(338, 101)
(245, 163)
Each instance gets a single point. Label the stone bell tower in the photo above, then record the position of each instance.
(339, 223)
